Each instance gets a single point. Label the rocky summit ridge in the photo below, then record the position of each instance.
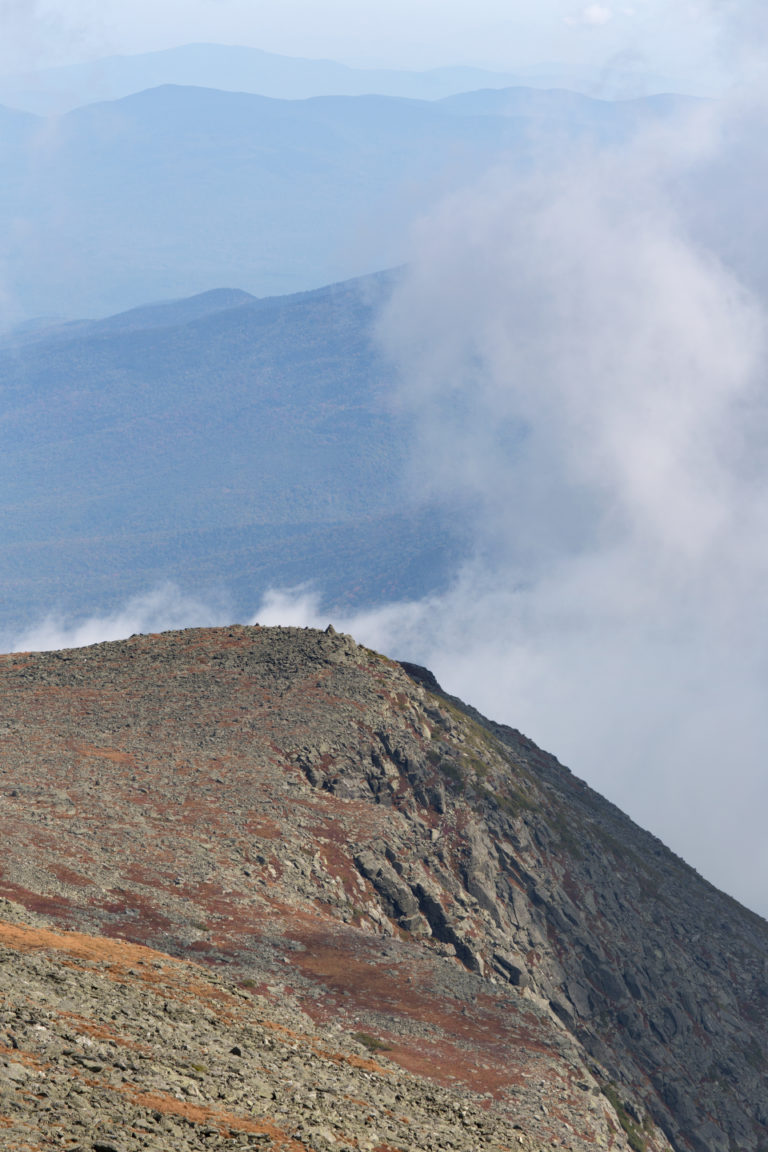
(264, 887)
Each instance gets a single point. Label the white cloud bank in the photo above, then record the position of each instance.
(593, 16)
(159, 610)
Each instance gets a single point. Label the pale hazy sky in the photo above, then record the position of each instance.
(679, 38)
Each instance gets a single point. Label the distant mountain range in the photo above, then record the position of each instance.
(223, 442)
(609, 119)
(178, 189)
(240, 69)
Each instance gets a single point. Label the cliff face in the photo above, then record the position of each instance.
(330, 830)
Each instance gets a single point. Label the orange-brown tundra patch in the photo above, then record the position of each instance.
(486, 1049)
(22, 1146)
(121, 959)
(22, 1057)
(339, 865)
(56, 906)
(180, 986)
(101, 1031)
(24, 938)
(225, 1122)
(263, 828)
(148, 922)
(236, 637)
(114, 755)
(69, 876)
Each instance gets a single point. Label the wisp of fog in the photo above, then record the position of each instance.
(583, 357)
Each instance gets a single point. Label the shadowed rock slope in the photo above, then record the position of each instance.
(364, 862)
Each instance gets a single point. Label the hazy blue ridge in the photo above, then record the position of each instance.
(163, 314)
(167, 192)
(558, 105)
(241, 69)
(228, 449)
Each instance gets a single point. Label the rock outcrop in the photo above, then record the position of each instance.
(329, 830)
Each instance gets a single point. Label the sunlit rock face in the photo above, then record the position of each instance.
(450, 927)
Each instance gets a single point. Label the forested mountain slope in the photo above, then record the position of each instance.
(226, 443)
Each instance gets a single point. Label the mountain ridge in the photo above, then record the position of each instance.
(245, 69)
(310, 816)
(174, 189)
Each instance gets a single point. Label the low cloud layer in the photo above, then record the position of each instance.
(586, 361)
(159, 610)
